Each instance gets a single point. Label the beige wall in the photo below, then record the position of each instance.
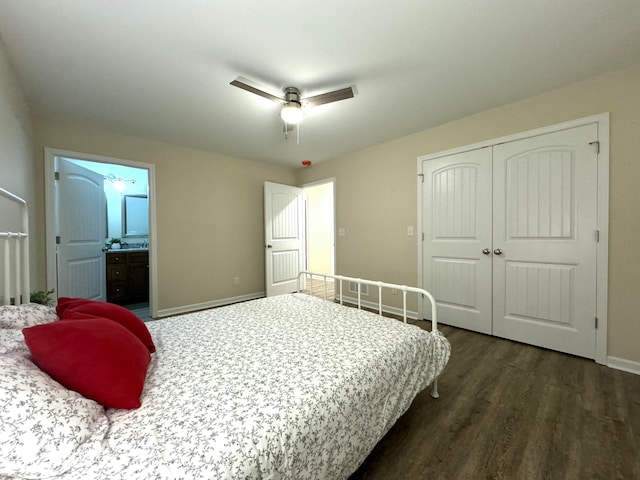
(16, 167)
(376, 192)
(209, 210)
(210, 206)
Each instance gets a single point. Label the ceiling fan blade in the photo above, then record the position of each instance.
(328, 97)
(249, 88)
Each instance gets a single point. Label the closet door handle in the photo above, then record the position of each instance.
(497, 251)
(486, 251)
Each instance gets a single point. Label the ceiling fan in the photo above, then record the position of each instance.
(292, 103)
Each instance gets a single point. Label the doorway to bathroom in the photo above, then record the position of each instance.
(100, 229)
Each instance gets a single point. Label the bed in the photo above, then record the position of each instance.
(285, 387)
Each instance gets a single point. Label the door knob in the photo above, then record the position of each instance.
(486, 251)
(497, 251)
(269, 246)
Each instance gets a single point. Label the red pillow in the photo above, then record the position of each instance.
(96, 357)
(68, 302)
(119, 314)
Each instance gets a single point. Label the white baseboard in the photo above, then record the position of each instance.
(385, 308)
(168, 312)
(624, 365)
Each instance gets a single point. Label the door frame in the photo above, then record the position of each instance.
(602, 246)
(332, 181)
(50, 214)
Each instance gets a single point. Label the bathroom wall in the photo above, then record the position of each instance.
(139, 186)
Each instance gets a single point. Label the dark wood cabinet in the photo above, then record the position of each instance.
(127, 277)
(138, 276)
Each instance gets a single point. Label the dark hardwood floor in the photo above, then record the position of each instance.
(512, 411)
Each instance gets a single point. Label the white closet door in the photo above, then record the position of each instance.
(457, 228)
(544, 225)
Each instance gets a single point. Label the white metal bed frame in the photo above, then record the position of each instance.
(359, 281)
(15, 246)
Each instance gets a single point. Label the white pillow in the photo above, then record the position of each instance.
(26, 315)
(44, 428)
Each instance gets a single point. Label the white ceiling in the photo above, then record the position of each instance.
(161, 68)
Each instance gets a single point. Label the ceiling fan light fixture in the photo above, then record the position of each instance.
(292, 113)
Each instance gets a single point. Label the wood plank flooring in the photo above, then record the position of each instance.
(513, 411)
(319, 288)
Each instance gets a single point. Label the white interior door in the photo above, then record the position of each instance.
(284, 245)
(82, 228)
(510, 239)
(544, 231)
(457, 228)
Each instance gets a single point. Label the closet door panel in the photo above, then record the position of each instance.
(544, 223)
(457, 227)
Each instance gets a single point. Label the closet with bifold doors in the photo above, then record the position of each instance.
(510, 238)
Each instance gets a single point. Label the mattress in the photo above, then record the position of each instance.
(286, 387)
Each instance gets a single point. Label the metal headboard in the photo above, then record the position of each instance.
(14, 281)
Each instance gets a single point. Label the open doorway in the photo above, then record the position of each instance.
(320, 227)
(100, 224)
(299, 228)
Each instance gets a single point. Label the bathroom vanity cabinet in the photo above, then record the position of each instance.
(128, 276)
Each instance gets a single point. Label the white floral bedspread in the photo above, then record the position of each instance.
(287, 387)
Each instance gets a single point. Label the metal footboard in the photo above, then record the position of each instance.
(339, 279)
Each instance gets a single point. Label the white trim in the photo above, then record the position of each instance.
(49, 203)
(602, 248)
(168, 312)
(579, 122)
(420, 233)
(374, 306)
(624, 365)
(319, 182)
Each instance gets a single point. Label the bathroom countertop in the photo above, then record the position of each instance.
(132, 249)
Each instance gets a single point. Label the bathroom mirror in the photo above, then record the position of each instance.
(135, 216)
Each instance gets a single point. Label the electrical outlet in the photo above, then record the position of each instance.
(236, 281)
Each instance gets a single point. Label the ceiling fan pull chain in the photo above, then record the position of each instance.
(286, 127)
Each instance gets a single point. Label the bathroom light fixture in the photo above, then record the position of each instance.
(118, 182)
